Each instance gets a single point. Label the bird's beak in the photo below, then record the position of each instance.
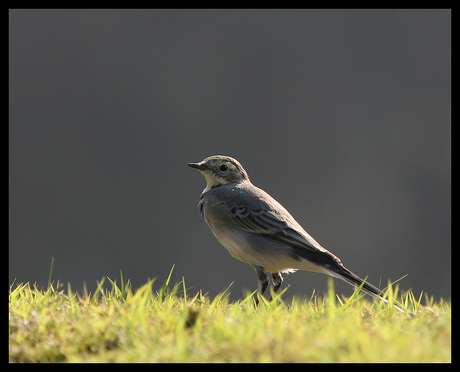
(197, 166)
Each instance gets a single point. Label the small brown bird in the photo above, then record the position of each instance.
(258, 230)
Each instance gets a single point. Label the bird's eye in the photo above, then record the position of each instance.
(223, 167)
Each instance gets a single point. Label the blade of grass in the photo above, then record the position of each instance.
(51, 273)
(220, 298)
(99, 290)
(163, 290)
(71, 296)
(330, 297)
(123, 293)
(276, 297)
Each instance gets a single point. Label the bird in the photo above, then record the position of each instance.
(257, 230)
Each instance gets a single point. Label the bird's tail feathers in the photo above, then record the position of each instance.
(354, 280)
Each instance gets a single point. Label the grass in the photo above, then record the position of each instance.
(171, 325)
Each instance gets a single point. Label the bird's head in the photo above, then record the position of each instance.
(220, 170)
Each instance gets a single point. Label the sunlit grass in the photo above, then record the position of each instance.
(173, 325)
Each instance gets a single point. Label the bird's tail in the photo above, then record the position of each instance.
(342, 273)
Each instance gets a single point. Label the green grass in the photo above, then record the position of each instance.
(171, 325)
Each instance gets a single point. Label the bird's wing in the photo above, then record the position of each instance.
(265, 222)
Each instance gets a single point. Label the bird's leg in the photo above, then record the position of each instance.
(277, 280)
(263, 280)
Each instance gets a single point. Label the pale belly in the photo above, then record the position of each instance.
(257, 250)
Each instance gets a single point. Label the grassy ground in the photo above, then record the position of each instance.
(121, 325)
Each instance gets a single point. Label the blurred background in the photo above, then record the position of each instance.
(343, 116)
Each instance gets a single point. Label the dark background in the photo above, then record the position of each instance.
(344, 116)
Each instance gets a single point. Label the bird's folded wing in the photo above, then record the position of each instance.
(263, 222)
